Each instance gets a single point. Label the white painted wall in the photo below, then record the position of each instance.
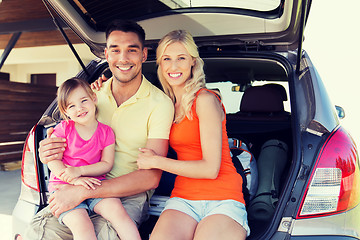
(331, 37)
(22, 62)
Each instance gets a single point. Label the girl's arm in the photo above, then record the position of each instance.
(103, 166)
(211, 115)
(57, 167)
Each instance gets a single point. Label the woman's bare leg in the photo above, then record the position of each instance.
(219, 226)
(174, 225)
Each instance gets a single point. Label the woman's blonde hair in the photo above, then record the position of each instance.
(66, 89)
(197, 78)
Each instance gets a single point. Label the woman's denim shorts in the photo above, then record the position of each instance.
(199, 209)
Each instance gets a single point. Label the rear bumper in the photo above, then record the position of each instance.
(322, 238)
(21, 217)
(344, 225)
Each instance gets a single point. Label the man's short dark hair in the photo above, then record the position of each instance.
(126, 26)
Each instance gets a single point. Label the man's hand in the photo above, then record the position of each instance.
(51, 148)
(98, 83)
(66, 197)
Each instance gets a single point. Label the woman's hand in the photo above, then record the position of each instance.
(146, 159)
(86, 182)
(98, 83)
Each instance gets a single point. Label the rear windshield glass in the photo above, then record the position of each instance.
(232, 99)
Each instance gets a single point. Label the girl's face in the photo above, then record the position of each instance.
(176, 64)
(81, 108)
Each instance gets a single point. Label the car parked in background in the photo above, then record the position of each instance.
(271, 91)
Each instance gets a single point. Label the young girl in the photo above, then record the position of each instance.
(88, 156)
(207, 200)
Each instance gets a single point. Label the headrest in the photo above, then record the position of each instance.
(263, 99)
(278, 88)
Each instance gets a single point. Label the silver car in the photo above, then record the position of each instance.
(307, 165)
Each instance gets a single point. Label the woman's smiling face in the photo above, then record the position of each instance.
(176, 64)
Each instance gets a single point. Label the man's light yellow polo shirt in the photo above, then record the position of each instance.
(147, 114)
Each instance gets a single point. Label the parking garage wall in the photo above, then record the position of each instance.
(21, 106)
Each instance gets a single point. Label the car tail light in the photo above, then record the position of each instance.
(18, 237)
(334, 181)
(29, 174)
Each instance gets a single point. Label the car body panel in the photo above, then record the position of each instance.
(346, 224)
(320, 119)
(22, 215)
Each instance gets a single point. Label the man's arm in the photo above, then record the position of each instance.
(67, 196)
(135, 182)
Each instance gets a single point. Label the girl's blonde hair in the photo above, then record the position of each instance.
(197, 78)
(66, 89)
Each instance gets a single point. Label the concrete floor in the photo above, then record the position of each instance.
(10, 182)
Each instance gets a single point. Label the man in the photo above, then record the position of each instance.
(140, 115)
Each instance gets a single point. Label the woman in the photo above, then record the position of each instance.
(207, 200)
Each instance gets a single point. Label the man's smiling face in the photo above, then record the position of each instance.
(125, 55)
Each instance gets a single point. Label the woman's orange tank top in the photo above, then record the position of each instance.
(185, 140)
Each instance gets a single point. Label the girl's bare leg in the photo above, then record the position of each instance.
(113, 211)
(78, 221)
